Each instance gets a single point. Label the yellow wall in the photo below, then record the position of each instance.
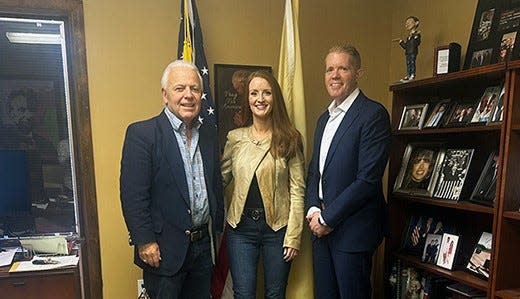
(130, 42)
(441, 22)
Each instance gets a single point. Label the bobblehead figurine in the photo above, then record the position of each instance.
(410, 46)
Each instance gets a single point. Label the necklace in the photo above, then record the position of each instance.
(259, 137)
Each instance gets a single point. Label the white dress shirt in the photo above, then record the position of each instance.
(336, 115)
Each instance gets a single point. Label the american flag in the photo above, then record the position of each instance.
(191, 48)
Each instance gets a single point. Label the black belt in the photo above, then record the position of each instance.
(254, 214)
(197, 233)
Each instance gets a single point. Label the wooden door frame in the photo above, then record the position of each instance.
(71, 11)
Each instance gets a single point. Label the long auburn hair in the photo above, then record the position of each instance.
(286, 141)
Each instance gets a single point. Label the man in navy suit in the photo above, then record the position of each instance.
(345, 205)
(171, 190)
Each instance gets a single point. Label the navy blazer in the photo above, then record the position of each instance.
(154, 191)
(353, 199)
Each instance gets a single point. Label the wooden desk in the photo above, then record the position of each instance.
(62, 284)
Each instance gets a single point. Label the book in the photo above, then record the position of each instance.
(465, 290)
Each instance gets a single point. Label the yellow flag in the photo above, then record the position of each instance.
(187, 49)
(290, 74)
(290, 77)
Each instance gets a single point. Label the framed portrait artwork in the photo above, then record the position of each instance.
(453, 173)
(461, 113)
(413, 117)
(419, 169)
(485, 189)
(481, 258)
(486, 105)
(230, 91)
(431, 248)
(494, 33)
(448, 251)
(438, 114)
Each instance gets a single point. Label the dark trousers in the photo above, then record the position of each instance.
(191, 282)
(340, 274)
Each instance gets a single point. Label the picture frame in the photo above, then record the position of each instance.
(461, 113)
(419, 169)
(494, 33)
(486, 105)
(230, 89)
(431, 248)
(413, 117)
(480, 259)
(453, 173)
(485, 189)
(419, 227)
(438, 114)
(448, 251)
(446, 59)
(498, 112)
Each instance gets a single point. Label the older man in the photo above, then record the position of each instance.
(171, 190)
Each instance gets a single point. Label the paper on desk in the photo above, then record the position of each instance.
(6, 257)
(63, 262)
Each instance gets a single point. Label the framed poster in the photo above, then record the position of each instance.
(230, 91)
(494, 33)
(419, 169)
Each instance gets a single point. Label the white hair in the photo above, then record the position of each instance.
(179, 64)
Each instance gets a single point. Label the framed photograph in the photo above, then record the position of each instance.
(481, 57)
(485, 189)
(493, 35)
(498, 113)
(419, 227)
(461, 114)
(413, 117)
(230, 89)
(419, 169)
(507, 45)
(453, 173)
(481, 258)
(486, 105)
(448, 251)
(431, 248)
(438, 114)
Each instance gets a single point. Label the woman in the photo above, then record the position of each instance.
(264, 159)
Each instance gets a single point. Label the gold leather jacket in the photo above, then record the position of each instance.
(281, 183)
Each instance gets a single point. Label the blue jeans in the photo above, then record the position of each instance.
(410, 64)
(193, 279)
(245, 244)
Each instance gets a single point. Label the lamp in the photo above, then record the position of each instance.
(33, 38)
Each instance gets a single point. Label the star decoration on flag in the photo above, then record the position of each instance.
(205, 71)
(203, 96)
(201, 119)
(211, 110)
